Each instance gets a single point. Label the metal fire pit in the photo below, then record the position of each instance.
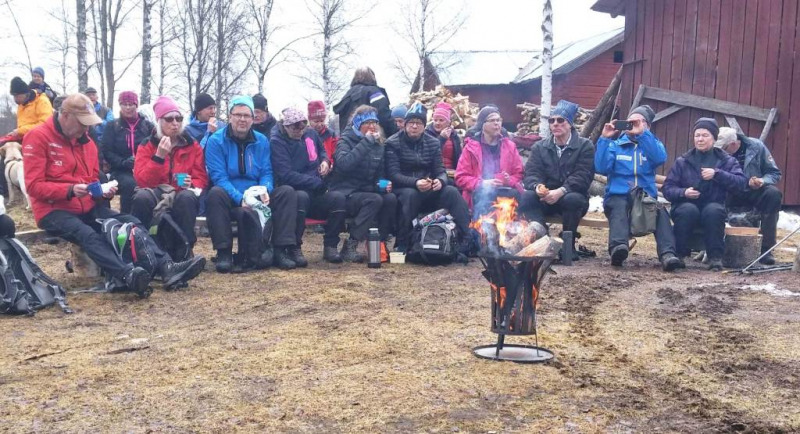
(515, 284)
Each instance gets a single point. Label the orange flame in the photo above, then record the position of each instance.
(502, 215)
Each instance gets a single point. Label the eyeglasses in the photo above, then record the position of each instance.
(242, 116)
(415, 123)
(494, 121)
(297, 125)
(170, 119)
(552, 121)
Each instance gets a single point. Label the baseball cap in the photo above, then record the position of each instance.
(81, 107)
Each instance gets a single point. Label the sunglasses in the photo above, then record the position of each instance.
(170, 119)
(297, 125)
(552, 121)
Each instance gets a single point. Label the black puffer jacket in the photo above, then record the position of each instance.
(359, 164)
(291, 163)
(116, 149)
(573, 171)
(408, 161)
(359, 95)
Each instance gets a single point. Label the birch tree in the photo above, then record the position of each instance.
(19, 30)
(61, 44)
(109, 17)
(147, 51)
(83, 65)
(547, 69)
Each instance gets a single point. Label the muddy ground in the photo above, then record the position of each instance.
(347, 349)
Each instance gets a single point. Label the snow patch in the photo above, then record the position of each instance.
(596, 204)
(770, 288)
(788, 221)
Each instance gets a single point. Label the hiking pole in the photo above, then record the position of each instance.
(744, 270)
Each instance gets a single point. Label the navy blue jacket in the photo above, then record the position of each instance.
(292, 162)
(685, 173)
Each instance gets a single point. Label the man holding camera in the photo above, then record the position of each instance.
(630, 161)
(559, 172)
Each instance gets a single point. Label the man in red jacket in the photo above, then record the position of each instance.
(60, 163)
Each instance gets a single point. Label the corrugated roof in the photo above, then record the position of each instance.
(481, 67)
(572, 55)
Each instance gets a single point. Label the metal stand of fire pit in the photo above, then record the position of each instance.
(515, 282)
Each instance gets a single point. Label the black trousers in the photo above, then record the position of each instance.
(7, 227)
(572, 207)
(330, 206)
(3, 182)
(413, 202)
(370, 210)
(767, 202)
(616, 208)
(221, 211)
(125, 189)
(184, 210)
(83, 230)
(710, 216)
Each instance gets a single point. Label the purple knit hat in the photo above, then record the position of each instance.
(129, 97)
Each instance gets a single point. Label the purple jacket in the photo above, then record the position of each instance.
(685, 173)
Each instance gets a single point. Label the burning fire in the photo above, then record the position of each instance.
(501, 218)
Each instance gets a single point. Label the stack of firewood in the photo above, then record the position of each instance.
(530, 118)
(462, 108)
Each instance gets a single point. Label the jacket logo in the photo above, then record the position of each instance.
(58, 163)
(55, 145)
(624, 158)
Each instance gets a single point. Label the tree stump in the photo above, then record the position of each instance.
(741, 250)
(81, 263)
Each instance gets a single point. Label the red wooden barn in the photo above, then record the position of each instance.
(582, 71)
(736, 51)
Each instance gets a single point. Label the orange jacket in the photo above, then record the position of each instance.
(33, 113)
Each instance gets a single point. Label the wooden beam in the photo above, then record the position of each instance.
(705, 103)
(734, 124)
(639, 95)
(773, 114)
(666, 112)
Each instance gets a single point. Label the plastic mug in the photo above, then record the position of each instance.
(95, 189)
(383, 184)
(180, 179)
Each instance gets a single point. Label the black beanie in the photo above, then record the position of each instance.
(709, 124)
(202, 101)
(260, 102)
(18, 86)
(646, 111)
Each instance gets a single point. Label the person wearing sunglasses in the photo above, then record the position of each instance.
(300, 161)
(631, 161)
(559, 172)
(171, 157)
(490, 165)
(238, 158)
(121, 140)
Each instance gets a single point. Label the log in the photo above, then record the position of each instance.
(81, 263)
(740, 250)
(609, 98)
(796, 266)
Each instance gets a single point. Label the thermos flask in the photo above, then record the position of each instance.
(374, 248)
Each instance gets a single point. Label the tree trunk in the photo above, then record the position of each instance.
(147, 49)
(220, 50)
(547, 69)
(83, 66)
(162, 73)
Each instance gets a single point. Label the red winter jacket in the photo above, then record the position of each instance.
(150, 170)
(53, 164)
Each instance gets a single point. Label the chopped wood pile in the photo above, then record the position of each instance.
(462, 109)
(530, 118)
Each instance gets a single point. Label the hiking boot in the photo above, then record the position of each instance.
(282, 259)
(715, 264)
(224, 261)
(768, 259)
(174, 273)
(331, 254)
(618, 255)
(263, 261)
(670, 262)
(350, 252)
(138, 281)
(296, 255)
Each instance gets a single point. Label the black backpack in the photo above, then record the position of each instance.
(25, 287)
(434, 244)
(131, 243)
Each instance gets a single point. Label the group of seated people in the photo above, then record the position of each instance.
(269, 175)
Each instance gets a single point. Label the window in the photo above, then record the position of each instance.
(618, 57)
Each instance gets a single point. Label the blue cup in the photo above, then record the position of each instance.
(180, 179)
(95, 189)
(382, 184)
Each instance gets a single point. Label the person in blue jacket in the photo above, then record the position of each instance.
(238, 158)
(697, 186)
(630, 161)
(203, 122)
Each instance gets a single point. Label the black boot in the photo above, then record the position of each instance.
(175, 273)
(224, 261)
(331, 254)
(618, 255)
(296, 255)
(350, 251)
(670, 262)
(768, 259)
(138, 281)
(264, 260)
(282, 259)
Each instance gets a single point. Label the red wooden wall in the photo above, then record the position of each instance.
(735, 50)
(583, 86)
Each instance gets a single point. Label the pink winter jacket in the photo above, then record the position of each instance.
(470, 167)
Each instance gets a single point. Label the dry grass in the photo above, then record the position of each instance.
(344, 348)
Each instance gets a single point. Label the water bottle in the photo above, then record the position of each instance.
(374, 248)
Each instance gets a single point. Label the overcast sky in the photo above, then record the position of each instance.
(490, 25)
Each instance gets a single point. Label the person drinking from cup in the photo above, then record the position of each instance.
(171, 157)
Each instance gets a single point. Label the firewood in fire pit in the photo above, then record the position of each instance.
(547, 247)
(529, 233)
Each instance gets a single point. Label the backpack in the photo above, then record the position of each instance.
(25, 287)
(434, 244)
(131, 243)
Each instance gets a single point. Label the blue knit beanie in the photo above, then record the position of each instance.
(565, 109)
(399, 111)
(38, 70)
(417, 111)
